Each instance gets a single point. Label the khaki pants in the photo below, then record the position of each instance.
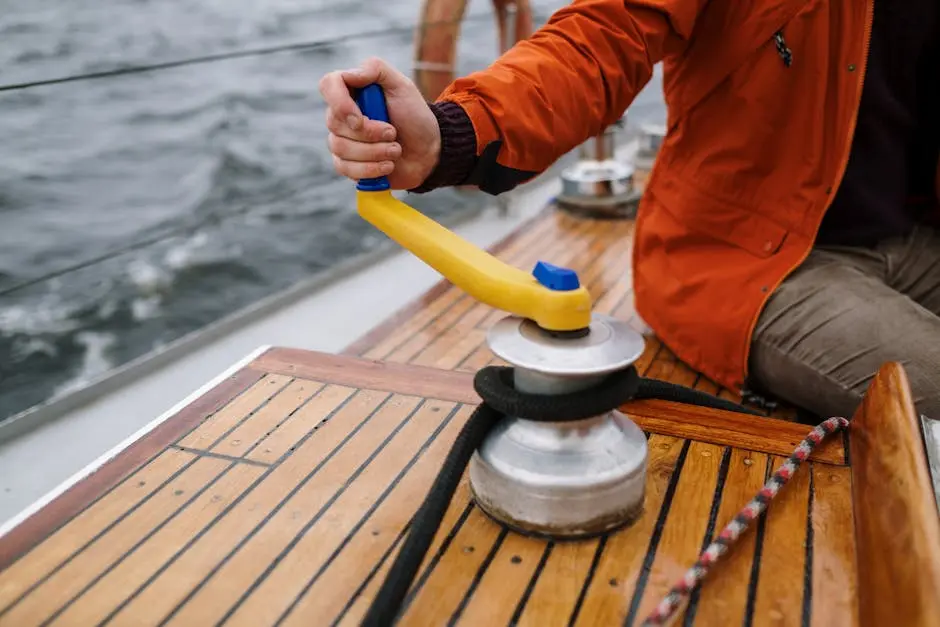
(829, 327)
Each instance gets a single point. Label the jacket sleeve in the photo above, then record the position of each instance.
(548, 94)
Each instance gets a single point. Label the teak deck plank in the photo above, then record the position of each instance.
(192, 537)
(833, 549)
(682, 528)
(624, 554)
(781, 578)
(723, 600)
(282, 496)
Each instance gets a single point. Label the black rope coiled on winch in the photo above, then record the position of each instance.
(494, 384)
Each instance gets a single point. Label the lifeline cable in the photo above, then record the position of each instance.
(494, 385)
(301, 46)
(304, 46)
(694, 576)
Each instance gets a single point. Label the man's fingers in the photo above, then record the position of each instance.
(339, 102)
(358, 170)
(335, 88)
(361, 148)
(373, 70)
(361, 76)
(368, 131)
(351, 150)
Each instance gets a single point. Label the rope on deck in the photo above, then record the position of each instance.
(697, 573)
(494, 384)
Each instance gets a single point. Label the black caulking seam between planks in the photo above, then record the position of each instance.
(323, 386)
(807, 611)
(229, 458)
(372, 508)
(438, 555)
(709, 530)
(143, 466)
(533, 580)
(430, 341)
(589, 578)
(477, 577)
(330, 415)
(398, 540)
(644, 573)
(110, 568)
(241, 393)
(323, 509)
(318, 389)
(758, 550)
(372, 573)
(408, 338)
(100, 534)
(246, 417)
(463, 361)
(234, 504)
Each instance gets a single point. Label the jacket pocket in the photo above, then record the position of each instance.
(718, 218)
(726, 39)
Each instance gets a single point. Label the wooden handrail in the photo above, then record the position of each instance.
(896, 525)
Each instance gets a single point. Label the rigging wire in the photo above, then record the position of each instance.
(302, 46)
(189, 228)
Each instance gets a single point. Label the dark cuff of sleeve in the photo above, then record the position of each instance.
(458, 148)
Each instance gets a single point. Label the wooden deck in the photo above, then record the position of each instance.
(282, 495)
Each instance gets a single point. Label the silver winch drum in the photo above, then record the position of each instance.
(598, 185)
(563, 480)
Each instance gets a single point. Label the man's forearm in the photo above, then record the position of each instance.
(574, 77)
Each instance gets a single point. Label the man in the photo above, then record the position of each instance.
(786, 238)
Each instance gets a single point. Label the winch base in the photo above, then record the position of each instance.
(562, 480)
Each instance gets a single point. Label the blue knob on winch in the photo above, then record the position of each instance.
(371, 101)
(555, 277)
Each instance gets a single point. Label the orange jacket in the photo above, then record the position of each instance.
(753, 151)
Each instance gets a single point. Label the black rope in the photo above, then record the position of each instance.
(494, 384)
(665, 391)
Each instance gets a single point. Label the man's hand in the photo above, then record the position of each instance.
(406, 151)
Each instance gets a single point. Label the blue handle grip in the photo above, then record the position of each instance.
(371, 101)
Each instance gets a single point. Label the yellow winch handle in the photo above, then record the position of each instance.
(551, 296)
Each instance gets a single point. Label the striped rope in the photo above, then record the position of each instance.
(696, 574)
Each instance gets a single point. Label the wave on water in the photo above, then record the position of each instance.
(220, 169)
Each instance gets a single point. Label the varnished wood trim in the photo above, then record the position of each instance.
(754, 433)
(86, 492)
(392, 324)
(896, 524)
(370, 374)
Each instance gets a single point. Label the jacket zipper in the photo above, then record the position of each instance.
(785, 53)
(869, 18)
